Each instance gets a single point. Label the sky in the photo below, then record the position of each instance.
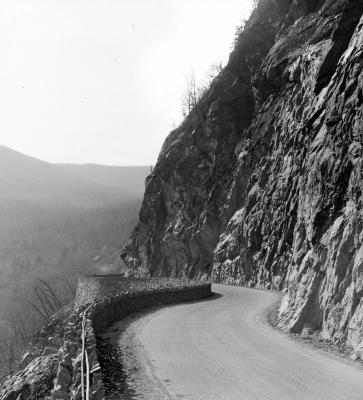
(101, 81)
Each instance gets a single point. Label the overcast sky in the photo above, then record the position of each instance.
(101, 80)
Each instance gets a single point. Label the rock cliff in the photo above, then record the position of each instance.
(261, 185)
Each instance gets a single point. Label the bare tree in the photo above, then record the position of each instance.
(239, 29)
(189, 99)
(54, 301)
(214, 70)
(18, 330)
(47, 302)
(70, 288)
(3, 346)
(194, 94)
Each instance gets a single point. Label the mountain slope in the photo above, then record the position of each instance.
(27, 178)
(261, 184)
(55, 225)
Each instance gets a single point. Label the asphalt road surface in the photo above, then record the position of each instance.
(222, 348)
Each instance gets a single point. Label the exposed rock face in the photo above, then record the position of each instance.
(261, 184)
(32, 383)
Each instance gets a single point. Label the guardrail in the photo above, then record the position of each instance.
(84, 359)
(100, 302)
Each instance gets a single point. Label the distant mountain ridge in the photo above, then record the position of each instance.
(126, 178)
(28, 178)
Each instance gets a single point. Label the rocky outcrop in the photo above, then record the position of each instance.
(261, 184)
(33, 382)
(33, 376)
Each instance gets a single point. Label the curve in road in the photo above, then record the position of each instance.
(223, 349)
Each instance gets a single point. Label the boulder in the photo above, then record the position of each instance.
(35, 381)
(25, 360)
(50, 350)
(60, 395)
(358, 353)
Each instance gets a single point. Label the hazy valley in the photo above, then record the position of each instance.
(56, 222)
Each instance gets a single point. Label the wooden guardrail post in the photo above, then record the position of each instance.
(85, 360)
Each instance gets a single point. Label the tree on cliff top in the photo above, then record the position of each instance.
(194, 93)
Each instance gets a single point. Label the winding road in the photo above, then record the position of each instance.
(222, 348)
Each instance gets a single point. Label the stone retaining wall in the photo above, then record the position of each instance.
(105, 300)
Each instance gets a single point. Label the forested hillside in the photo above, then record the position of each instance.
(55, 225)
